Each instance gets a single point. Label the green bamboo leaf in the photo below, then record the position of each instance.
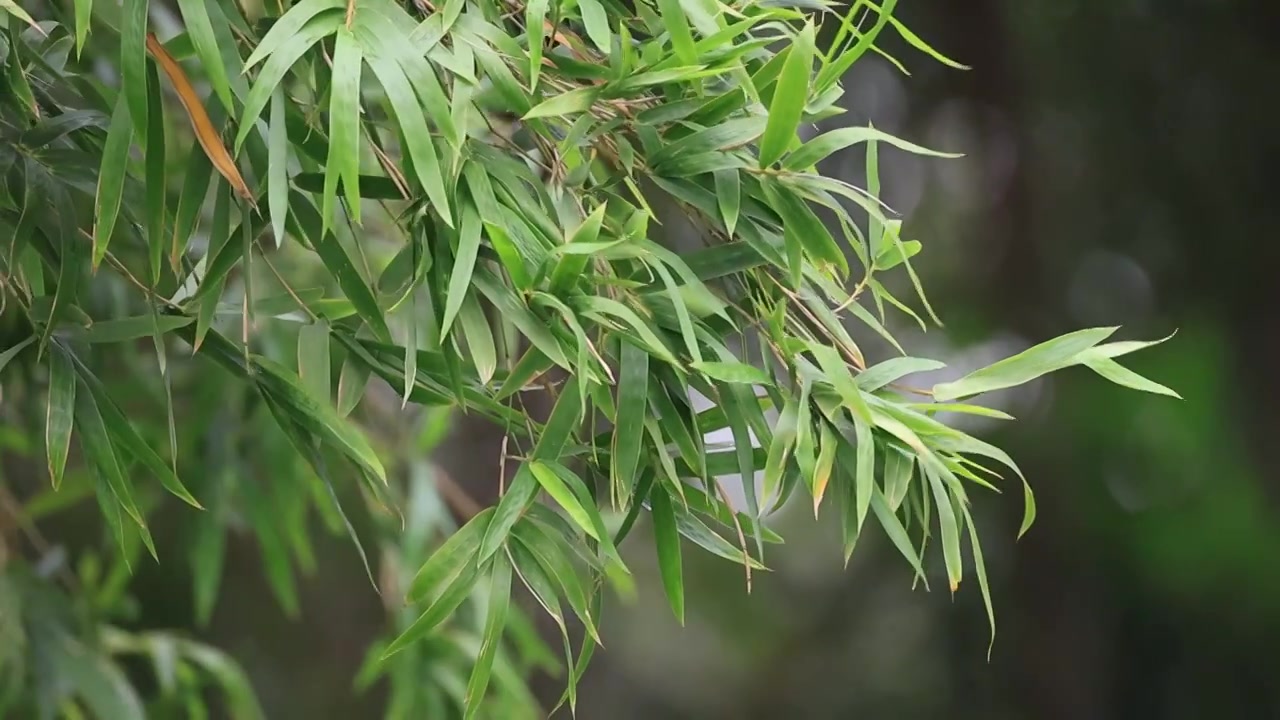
(961, 408)
(596, 22)
(98, 450)
(156, 177)
(570, 267)
(574, 101)
(372, 187)
(896, 532)
(195, 16)
(1121, 375)
(512, 310)
(212, 287)
(535, 15)
(157, 338)
(115, 160)
(677, 298)
(600, 308)
(836, 372)
(898, 468)
(306, 445)
(464, 265)
(84, 15)
(317, 417)
(224, 253)
(284, 52)
(736, 399)
(828, 443)
(864, 472)
(417, 137)
(901, 252)
(445, 603)
(479, 338)
(729, 134)
(729, 196)
(733, 372)
(287, 26)
(553, 482)
(10, 353)
(814, 151)
(667, 538)
(676, 22)
(313, 359)
(540, 586)
(980, 569)
(914, 41)
(278, 167)
(565, 418)
(60, 413)
(19, 85)
(338, 263)
(803, 228)
(133, 61)
(494, 626)
(123, 435)
(934, 472)
(523, 489)
(16, 10)
(344, 128)
(198, 172)
(894, 369)
(1114, 350)
(1026, 366)
(450, 558)
(840, 59)
(47, 131)
(633, 388)
(351, 384)
(784, 438)
(704, 537)
(540, 541)
(789, 99)
(130, 328)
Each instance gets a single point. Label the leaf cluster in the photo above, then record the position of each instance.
(458, 206)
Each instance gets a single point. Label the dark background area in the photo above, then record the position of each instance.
(1117, 172)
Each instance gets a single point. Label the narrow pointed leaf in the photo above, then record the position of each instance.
(60, 414)
(1026, 366)
(494, 626)
(111, 175)
(788, 99)
(667, 537)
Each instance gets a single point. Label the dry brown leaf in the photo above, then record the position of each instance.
(206, 134)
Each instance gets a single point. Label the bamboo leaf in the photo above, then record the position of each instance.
(313, 359)
(133, 61)
(60, 414)
(115, 159)
(450, 559)
(814, 151)
(344, 129)
(463, 266)
(494, 626)
(1025, 366)
(789, 99)
(278, 167)
(156, 176)
(667, 537)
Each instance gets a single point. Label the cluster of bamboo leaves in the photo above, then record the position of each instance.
(260, 219)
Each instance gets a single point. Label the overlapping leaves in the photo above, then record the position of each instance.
(472, 220)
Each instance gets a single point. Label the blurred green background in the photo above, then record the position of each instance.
(1117, 172)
